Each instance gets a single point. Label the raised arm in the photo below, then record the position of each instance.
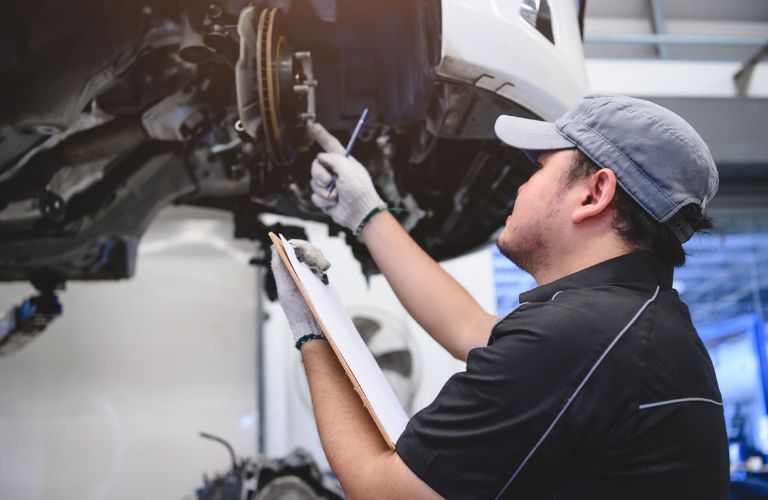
(435, 300)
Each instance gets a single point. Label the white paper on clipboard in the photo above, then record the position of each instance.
(336, 322)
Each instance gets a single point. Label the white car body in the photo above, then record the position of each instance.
(488, 44)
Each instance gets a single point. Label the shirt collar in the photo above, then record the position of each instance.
(639, 268)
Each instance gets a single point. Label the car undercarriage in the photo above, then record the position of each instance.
(113, 110)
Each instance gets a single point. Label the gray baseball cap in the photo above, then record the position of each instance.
(658, 158)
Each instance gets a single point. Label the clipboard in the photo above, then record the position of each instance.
(359, 364)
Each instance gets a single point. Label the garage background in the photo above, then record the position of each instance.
(109, 401)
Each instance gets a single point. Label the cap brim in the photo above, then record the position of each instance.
(530, 135)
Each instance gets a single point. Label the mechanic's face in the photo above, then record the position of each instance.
(536, 218)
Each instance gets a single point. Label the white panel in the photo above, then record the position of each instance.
(672, 78)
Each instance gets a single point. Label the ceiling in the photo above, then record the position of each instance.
(642, 44)
(696, 29)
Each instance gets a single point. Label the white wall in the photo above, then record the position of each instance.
(108, 402)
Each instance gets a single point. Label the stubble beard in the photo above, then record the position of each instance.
(526, 249)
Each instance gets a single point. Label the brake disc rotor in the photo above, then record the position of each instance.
(277, 73)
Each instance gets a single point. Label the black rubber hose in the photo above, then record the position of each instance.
(225, 443)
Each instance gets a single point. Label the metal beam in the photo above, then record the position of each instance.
(743, 77)
(670, 39)
(657, 20)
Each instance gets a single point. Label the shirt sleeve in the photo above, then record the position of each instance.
(487, 421)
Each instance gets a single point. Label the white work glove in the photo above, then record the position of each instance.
(354, 199)
(300, 317)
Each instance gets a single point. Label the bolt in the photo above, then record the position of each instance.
(214, 11)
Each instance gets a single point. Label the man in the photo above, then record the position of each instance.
(597, 385)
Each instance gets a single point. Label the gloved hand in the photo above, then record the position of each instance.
(300, 318)
(354, 199)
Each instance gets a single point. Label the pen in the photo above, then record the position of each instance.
(350, 146)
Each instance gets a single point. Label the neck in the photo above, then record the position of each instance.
(580, 255)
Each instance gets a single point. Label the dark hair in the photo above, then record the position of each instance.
(636, 226)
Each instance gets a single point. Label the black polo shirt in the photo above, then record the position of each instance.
(595, 387)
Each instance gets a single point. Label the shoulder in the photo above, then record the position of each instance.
(572, 316)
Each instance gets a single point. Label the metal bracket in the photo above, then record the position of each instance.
(176, 118)
(23, 323)
(743, 77)
(307, 87)
(657, 20)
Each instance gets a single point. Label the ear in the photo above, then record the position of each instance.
(595, 196)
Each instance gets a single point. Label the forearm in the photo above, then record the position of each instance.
(435, 300)
(358, 455)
